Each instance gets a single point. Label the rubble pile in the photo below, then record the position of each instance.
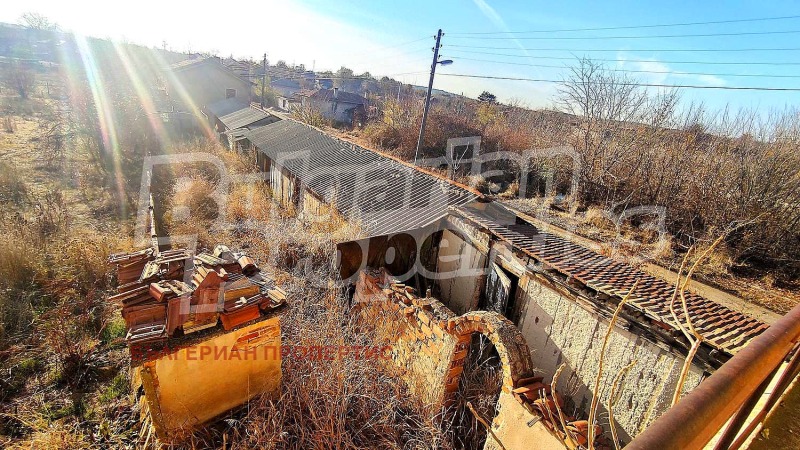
(172, 293)
(538, 398)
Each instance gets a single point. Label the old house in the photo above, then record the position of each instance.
(196, 83)
(475, 255)
(484, 256)
(334, 104)
(231, 119)
(285, 87)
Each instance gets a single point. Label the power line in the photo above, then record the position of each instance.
(402, 44)
(673, 86)
(631, 27)
(390, 55)
(665, 72)
(633, 50)
(572, 58)
(655, 36)
(300, 76)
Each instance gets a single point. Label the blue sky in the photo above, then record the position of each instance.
(395, 38)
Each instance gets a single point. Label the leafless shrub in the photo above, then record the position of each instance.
(8, 124)
(51, 214)
(13, 189)
(310, 115)
(20, 79)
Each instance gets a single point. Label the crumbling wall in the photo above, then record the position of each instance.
(559, 330)
(423, 354)
(429, 345)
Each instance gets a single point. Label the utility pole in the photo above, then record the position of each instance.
(264, 81)
(428, 95)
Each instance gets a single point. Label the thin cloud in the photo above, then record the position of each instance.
(661, 73)
(491, 14)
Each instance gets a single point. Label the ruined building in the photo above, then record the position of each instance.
(542, 301)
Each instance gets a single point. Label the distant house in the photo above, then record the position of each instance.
(334, 104)
(324, 83)
(243, 69)
(204, 81)
(285, 87)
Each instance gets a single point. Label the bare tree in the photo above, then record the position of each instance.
(606, 102)
(38, 21)
(20, 79)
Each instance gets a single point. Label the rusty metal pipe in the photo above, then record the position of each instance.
(741, 416)
(694, 420)
(783, 383)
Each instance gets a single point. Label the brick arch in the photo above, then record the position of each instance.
(515, 356)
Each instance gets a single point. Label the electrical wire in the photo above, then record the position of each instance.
(572, 58)
(659, 85)
(663, 72)
(633, 50)
(655, 36)
(631, 27)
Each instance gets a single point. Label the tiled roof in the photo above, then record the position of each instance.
(723, 328)
(385, 195)
(188, 63)
(201, 61)
(243, 117)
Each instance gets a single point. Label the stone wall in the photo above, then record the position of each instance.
(423, 353)
(429, 345)
(561, 331)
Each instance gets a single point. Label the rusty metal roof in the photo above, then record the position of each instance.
(724, 329)
(384, 195)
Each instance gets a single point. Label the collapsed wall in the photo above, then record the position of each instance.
(562, 296)
(562, 329)
(429, 347)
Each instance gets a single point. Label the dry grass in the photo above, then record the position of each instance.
(342, 403)
(60, 361)
(9, 125)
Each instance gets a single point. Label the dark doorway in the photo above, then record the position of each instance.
(500, 291)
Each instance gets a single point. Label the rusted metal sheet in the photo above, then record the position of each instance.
(694, 421)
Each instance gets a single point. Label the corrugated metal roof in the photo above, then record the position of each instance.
(384, 195)
(224, 107)
(243, 117)
(723, 328)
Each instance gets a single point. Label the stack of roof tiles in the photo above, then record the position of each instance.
(539, 398)
(174, 292)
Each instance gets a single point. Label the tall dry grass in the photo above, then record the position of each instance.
(341, 403)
